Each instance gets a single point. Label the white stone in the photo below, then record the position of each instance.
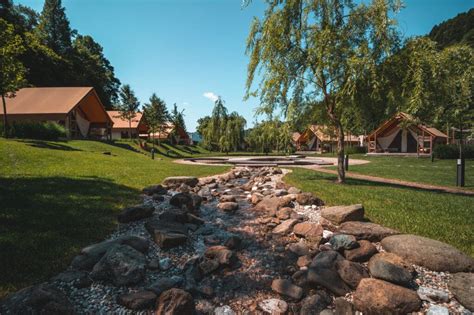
(437, 310)
(224, 310)
(327, 234)
(273, 306)
(434, 295)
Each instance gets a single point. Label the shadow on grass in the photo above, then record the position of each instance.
(44, 222)
(49, 145)
(125, 146)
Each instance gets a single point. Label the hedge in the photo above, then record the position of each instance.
(35, 130)
(451, 151)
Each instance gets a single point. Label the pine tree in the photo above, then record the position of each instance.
(128, 105)
(54, 29)
(156, 115)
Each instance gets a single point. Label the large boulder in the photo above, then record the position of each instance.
(309, 230)
(362, 253)
(269, 205)
(91, 254)
(167, 234)
(380, 297)
(462, 286)
(432, 254)
(285, 227)
(286, 288)
(175, 302)
(323, 271)
(343, 241)
(122, 265)
(41, 299)
(340, 214)
(176, 181)
(135, 213)
(366, 230)
(392, 268)
(186, 201)
(351, 272)
(137, 300)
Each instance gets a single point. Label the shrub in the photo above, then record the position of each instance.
(36, 130)
(355, 150)
(451, 151)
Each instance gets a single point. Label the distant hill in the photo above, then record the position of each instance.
(459, 29)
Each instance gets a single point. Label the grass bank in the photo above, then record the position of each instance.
(421, 170)
(57, 197)
(445, 217)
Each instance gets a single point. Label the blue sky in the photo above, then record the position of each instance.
(189, 51)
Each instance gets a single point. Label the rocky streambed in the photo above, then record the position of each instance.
(245, 243)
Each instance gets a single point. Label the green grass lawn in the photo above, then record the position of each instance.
(445, 217)
(422, 170)
(57, 197)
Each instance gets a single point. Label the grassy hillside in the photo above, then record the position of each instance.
(57, 197)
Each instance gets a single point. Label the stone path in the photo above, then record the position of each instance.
(397, 182)
(245, 243)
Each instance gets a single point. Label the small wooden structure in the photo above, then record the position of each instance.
(400, 134)
(78, 109)
(122, 128)
(168, 132)
(322, 138)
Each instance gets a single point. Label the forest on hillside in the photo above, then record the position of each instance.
(55, 54)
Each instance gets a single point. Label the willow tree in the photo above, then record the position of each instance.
(317, 50)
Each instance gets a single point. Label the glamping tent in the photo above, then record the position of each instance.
(399, 135)
(169, 132)
(78, 109)
(122, 128)
(322, 139)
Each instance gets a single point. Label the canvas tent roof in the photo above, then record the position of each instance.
(56, 100)
(121, 123)
(404, 116)
(324, 134)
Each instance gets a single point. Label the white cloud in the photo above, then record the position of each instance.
(211, 95)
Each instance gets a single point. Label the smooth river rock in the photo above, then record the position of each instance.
(366, 230)
(462, 286)
(432, 254)
(380, 297)
(340, 214)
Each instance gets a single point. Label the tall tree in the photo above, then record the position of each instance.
(317, 50)
(156, 115)
(177, 119)
(94, 69)
(54, 27)
(12, 71)
(128, 105)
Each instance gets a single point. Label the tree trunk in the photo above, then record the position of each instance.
(5, 119)
(130, 128)
(341, 173)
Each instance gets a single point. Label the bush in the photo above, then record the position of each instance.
(36, 130)
(451, 151)
(355, 150)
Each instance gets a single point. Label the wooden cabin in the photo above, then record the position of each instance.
(122, 128)
(398, 135)
(322, 138)
(78, 109)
